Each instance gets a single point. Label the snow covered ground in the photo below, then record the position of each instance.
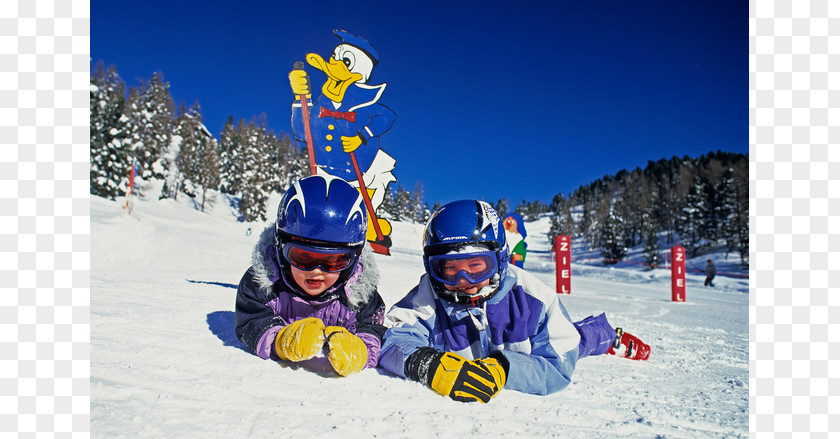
(165, 361)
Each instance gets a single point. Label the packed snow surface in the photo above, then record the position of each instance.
(165, 361)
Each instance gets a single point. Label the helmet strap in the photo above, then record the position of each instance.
(476, 299)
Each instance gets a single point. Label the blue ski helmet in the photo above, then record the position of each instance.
(320, 211)
(460, 225)
(323, 209)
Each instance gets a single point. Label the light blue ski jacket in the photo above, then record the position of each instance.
(525, 320)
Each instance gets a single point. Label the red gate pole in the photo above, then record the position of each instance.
(563, 263)
(129, 206)
(677, 274)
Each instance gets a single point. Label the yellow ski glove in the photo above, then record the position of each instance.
(452, 375)
(300, 340)
(299, 80)
(496, 370)
(348, 353)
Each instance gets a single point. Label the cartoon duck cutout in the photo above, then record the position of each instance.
(345, 124)
(515, 235)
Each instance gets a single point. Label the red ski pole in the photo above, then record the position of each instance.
(304, 108)
(378, 246)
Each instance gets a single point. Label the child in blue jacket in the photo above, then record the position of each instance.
(476, 323)
(311, 284)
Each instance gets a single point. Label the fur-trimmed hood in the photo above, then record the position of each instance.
(358, 289)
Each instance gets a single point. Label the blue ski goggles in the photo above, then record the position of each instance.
(308, 258)
(473, 267)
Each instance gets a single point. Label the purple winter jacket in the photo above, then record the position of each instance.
(265, 303)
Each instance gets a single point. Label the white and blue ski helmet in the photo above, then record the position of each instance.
(458, 226)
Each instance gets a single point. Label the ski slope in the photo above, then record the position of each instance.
(165, 361)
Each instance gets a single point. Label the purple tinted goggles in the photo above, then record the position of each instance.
(473, 267)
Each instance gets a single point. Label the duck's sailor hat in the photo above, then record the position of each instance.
(358, 42)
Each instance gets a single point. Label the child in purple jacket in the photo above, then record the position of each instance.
(312, 284)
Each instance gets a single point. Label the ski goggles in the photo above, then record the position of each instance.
(308, 258)
(473, 267)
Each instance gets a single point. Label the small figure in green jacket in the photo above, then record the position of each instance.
(515, 234)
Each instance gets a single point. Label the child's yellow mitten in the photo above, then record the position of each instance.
(348, 353)
(300, 340)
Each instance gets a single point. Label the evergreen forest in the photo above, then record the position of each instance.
(701, 202)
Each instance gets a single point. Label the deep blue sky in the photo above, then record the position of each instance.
(516, 100)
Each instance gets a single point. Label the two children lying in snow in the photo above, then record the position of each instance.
(474, 324)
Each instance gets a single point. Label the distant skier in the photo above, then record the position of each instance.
(312, 283)
(476, 323)
(710, 273)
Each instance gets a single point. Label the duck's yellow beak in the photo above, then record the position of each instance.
(338, 77)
